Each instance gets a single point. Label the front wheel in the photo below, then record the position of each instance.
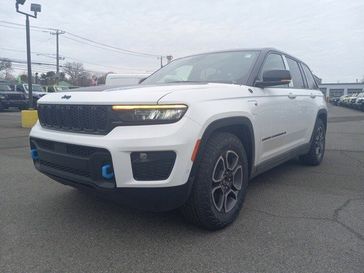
(219, 188)
(317, 146)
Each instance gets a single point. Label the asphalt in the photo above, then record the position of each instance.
(295, 218)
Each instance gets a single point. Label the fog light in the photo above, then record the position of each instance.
(152, 166)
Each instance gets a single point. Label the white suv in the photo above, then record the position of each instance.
(190, 136)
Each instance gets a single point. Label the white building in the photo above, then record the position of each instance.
(339, 89)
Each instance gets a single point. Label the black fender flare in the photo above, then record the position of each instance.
(321, 112)
(217, 125)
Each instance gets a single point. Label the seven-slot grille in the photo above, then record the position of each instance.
(91, 119)
(15, 96)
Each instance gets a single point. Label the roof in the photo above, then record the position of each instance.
(263, 50)
(342, 83)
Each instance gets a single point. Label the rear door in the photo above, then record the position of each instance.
(302, 106)
(313, 99)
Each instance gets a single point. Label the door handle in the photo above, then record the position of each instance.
(312, 96)
(292, 96)
(255, 102)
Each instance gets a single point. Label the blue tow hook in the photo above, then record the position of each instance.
(106, 172)
(34, 154)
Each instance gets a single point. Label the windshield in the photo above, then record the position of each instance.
(62, 88)
(222, 67)
(35, 87)
(4, 87)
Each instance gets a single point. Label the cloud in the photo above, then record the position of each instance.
(328, 35)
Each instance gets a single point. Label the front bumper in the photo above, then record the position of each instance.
(13, 103)
(121, 142)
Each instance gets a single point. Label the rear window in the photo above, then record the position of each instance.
(296, 75)
(309, 77)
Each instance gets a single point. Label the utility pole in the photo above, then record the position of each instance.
(169, 58)
(57, 33)
(161, 58)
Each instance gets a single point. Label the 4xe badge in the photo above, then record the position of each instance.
(66, 97)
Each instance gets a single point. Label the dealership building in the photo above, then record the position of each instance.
(340, 89)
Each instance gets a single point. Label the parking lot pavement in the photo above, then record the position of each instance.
(295, 219)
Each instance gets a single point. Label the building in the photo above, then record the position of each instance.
(340, 89)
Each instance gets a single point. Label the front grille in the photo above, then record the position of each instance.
(91, 119)
(65, 168)
(152, 165)
(15, 96)
(82, 151)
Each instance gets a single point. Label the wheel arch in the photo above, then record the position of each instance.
(240, 126)
(322, 114)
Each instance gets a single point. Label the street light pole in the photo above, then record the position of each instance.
(35, 8)
(29, 61)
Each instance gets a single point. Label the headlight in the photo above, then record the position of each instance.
(2, 97)
(149, 114)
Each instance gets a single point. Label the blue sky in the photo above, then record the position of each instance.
(326, 34)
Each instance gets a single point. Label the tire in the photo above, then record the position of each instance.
(218, 190)
(317, 146)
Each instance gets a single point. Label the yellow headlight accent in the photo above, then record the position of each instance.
(151, 106)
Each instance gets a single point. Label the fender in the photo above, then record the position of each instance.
(219, 124)
(322, 112)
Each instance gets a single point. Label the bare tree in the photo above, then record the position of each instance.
(5, 66)
(76, 73)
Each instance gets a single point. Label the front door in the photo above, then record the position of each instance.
(273, 113)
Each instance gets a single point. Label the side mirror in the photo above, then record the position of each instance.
(274, 77)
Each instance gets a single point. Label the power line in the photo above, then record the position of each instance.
(76, 59)
(113, 47)
(21, 25)
(21, 28)
(93, 45)
(92, 42)
(24, 62)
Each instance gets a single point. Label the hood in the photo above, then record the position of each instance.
(10, 93)
(138, 94)
(39, 93)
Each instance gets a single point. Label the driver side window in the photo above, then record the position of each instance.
(273, 62)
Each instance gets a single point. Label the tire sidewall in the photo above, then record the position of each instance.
(319, 124)
(205, 180)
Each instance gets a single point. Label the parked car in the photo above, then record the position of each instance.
(124, 79)
(191, 136)
(9, 98)
(352, 99)
(359, 102)
(344, 100)
(55, 88)
(334, 100)
(37, 91)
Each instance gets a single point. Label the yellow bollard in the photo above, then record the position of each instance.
(28, 118)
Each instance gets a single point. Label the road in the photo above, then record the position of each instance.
(295, 219)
